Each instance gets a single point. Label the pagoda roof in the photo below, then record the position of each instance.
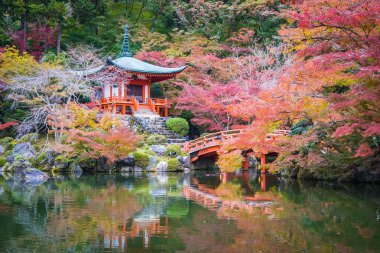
(134, 65)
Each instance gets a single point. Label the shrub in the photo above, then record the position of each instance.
(40, 159)
(230, 162)
(7, 143)
(173, 150)
(178, 125)
(2, 161)
(141, 159)
(173, 164)
(32, 137)
(204, 134)
(155, 139)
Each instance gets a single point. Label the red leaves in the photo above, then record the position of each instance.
(343, 131)
(7, 124)
(41, 37)
(372, 130)
(364, 151)
(112, 144)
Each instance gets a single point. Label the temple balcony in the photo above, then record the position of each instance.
(130, 105)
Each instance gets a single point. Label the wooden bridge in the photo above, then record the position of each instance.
(210, 144)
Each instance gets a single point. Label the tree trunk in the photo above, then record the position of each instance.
(59, 36)
(24, 25)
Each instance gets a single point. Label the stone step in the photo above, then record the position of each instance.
(176, 140)
(157, 125)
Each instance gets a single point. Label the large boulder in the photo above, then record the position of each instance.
(184, 160)
(152, 163)
(128, 161)
(102, 165)
(180, 159)
(76, 170)
(162, 166)
(25, 150)
(158, 149)
(50, 157)
(33, 175)
(126, 169)
(29, 175)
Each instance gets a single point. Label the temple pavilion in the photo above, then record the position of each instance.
(130, 93)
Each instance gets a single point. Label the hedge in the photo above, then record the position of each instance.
(178, 125)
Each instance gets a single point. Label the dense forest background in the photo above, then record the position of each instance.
(42, 25)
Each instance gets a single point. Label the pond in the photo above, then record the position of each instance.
(193, 212)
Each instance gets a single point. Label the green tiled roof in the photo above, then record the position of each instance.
(129, 63)
(135, 65)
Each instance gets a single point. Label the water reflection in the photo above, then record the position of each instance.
(201, 212)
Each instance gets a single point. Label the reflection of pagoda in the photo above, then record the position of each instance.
(129, 93)
(151, 221)
(145, 229)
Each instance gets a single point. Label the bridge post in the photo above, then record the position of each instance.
(224, 177)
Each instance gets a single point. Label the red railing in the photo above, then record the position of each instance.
(218, 138)
(160, 101)
(135, 103)
(211, 140)
(116, 99)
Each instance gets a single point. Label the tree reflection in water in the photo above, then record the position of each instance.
(173, 212)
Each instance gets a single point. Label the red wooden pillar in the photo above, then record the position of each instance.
(263, 182)
(224, 177)
(245, 163)
(263, 162)
(166, 112)
(123, 109)
(143, 93)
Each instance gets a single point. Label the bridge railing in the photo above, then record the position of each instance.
(211, 139)
(219, 137)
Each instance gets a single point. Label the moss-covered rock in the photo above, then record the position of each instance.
(8, 143)
(141, 159)
(3, 161)
(173, 164)
(173, 150)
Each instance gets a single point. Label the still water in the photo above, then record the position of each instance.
(197, 212)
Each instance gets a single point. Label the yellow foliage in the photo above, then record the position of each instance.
(230, 162)
(82, 117)
(109, 121)
(12, 64)
(315, 108)
(150, 41)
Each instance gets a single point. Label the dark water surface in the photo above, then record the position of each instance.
(197, 212)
